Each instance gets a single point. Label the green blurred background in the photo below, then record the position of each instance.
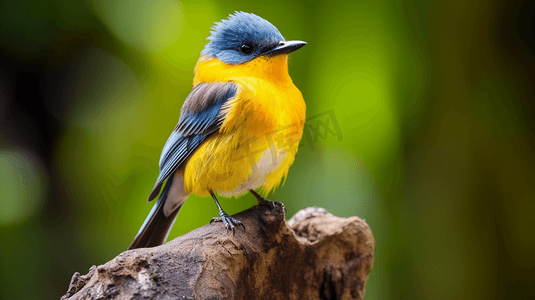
(431, 98)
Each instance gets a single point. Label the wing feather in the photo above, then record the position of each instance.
(201, 116)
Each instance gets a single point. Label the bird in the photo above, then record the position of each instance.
(238, 130)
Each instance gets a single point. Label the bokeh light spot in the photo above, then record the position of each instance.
(23, 183)
(150, 26)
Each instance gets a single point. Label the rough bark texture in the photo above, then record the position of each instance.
(315, 255)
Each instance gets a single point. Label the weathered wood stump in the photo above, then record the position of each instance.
(315, 255)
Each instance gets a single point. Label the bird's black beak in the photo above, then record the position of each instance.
(285, 47)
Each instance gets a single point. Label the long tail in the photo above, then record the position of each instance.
(156, 227)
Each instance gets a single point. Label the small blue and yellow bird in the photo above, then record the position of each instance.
(239, 128)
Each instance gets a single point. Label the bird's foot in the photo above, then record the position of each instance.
(229, 222)
(265, 202)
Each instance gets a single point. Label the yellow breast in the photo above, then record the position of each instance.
(259, 138)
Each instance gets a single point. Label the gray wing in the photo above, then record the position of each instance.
(201, 115)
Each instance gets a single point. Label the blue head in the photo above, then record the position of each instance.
(245, 36)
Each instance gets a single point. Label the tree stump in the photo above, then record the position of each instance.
(315, 255)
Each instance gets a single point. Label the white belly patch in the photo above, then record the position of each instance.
(268, 162)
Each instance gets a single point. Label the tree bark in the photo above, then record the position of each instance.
(315, 255)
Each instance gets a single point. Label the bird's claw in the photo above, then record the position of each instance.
(265, 202)
(229, 222)
(271, 204)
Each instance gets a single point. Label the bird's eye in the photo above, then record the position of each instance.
(246, 48)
